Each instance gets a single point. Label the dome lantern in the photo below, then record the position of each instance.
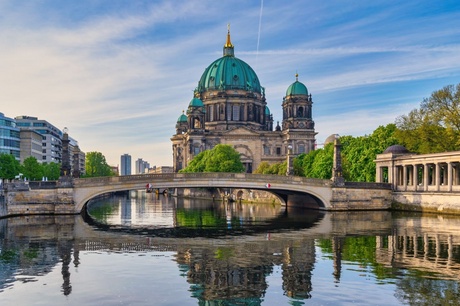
(228, 47)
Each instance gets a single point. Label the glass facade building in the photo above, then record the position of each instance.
(125, 164)
(9, 137)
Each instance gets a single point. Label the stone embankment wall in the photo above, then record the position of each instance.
(20, 199)
(436, 202)
(361, 196)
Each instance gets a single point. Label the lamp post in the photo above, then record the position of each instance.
(289, 169)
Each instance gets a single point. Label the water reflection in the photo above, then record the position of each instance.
(255, 248)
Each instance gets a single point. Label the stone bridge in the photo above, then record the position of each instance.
(291, 190)
(69, 196)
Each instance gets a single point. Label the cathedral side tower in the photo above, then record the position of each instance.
(298, 126)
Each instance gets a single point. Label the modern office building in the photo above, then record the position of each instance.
(9, 137)
(77, 158)
(229, 107)
(51, 137)
(125, 164)
(141, 166)
(31, 145)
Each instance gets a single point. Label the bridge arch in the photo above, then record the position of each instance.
(285, 187)
(291, 189)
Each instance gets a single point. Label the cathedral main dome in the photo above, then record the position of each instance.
(229, 72)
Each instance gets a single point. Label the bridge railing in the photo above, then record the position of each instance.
(150, 178)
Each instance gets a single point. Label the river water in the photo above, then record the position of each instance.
(147, 250)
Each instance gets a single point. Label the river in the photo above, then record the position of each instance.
(143, 249)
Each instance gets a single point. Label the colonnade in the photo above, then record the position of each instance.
(428, 172)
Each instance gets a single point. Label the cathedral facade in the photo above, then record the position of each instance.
(229, 107)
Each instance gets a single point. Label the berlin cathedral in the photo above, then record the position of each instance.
(229, 107)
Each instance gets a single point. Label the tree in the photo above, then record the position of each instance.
(9, 166)
(358, 155)
(263, 168)
(222, 158)
(96, 165)
(435, 126)
(32, 169)
(51, 170)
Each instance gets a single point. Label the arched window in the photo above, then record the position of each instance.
(196, 123)
(300, 112)
(236, 113)
(301, 148)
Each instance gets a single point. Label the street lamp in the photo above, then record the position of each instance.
(289, 170)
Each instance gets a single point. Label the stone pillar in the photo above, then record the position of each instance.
(404, 178)
(425, 177)
(378, 175)
(337, 175)
(438, 176)
(65, 163)
(449, 176)
(415, 176)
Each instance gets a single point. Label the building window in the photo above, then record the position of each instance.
(266, 150)
(229, 112)
(301, 148)
(236, 112)
(278, 151)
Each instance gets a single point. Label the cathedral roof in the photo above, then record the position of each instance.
(267, 111)
(297, 88)
(182, 118)
(229, 72)
(195, 102)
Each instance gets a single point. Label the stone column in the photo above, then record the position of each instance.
(378, 175)
(438, 176)
(425, 177)
(404, 178)
(415, 176)
(337, 175)
(449, 176)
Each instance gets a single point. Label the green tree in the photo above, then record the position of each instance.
(359, 153)
(263, 168)
(435, 126)
(317, 163)
(32, 169)
(51, 170)
(9, 166)
(222, 158)
(96, 165)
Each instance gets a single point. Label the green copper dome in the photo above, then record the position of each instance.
(267, 111)
(195, 102)
(229, 72)
(182, 118)
(297, 88)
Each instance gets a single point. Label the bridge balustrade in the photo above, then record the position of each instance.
(148, 178)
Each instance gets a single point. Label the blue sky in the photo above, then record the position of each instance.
(119, 73)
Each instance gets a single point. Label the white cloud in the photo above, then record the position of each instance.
(120, 79)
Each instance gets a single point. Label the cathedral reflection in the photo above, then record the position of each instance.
(240, 272)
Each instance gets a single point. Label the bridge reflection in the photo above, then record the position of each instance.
(236, 268)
